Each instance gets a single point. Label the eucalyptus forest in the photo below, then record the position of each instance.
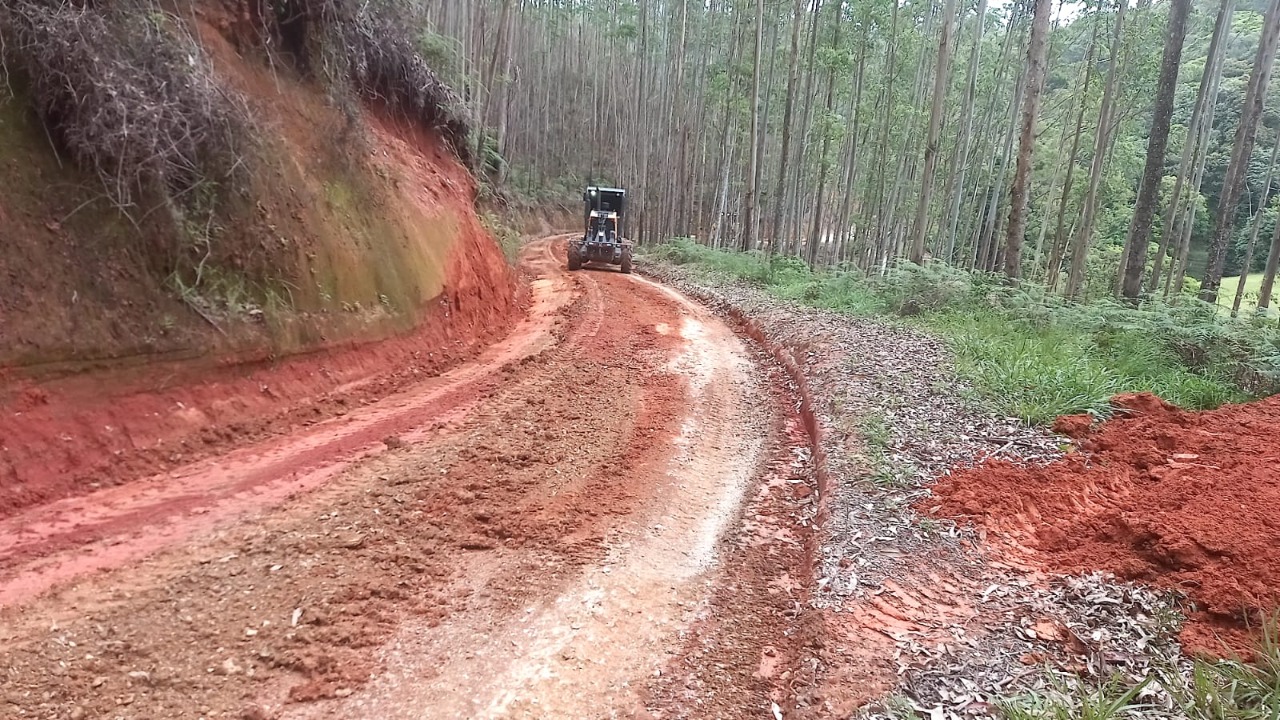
(791, 359)
(1101, 148)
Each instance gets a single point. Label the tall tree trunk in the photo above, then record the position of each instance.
(1187, 214)
(1253, 232)
(941, 78)
(1202, 109)
(986, 242)
(907, 160)
(1055, 259)
(985, 146)
(749, 207)
(1241, 152)
(1269, 274)
(956, 193)
(794, 215)
(1134, 259)
(1084, 232)
(761, 195)
(1020, 192)
(784, 155)
(642, 104)
(824, 161)
(881, 165)
(1060, 160)
(851, 168)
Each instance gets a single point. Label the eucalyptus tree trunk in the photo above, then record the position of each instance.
(1186, 214)
(985, 242)
(1269, 274)
(1054, 267)
(851, 166)
(749, 206)
(1256, 225)
(1018, 196)
(1084, 232)
(906, 159)
(1241, 152)
(642, 104)
(815, 235)
(988, 144)
(882, 147)
(795, 213)
(1134, 259)
(1202, 109)
(941, 78)
(784, 155)
(956, 191)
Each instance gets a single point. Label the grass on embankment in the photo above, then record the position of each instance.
(1031, 355)
(1206, 690)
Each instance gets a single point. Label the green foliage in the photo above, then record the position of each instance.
(443, 55)
(376, 49)
(508, 237)
(1116, 698)
(1252, 293)
(1033, 355)
(1236, 690)
(1211, 690)
(491, 158)
(886, 471)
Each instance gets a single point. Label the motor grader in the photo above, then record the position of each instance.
(602, 240)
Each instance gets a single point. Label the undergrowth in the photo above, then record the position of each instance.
(505, 233)
(1033, 355)
(126, 91)
(886, 470)
(373, 45)
(1229, 689)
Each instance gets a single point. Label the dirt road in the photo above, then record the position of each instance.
(607, 514)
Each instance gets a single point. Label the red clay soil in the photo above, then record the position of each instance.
(1188, 501)
(71, 435)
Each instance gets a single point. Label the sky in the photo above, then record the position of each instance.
(1064, 12)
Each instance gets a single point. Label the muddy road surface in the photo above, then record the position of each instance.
(607, 514)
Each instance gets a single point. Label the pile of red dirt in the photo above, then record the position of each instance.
(1188, 501)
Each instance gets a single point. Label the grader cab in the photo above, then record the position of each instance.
(602, 240)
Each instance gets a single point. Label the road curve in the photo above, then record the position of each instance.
(557, 523)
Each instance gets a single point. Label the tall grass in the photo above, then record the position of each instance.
(1231, 689)
(1032, 355)
(1199, 690)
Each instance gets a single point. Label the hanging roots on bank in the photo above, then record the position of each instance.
(372, 45)
(126, 91)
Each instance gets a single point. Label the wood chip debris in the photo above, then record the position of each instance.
(894, 418)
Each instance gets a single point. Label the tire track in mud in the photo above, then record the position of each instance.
(581, 650)
(59, 541)
(623, 489)
(754, 648)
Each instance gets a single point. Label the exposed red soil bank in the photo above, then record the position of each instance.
(1183, 500)
(68, 435)
(86, 432)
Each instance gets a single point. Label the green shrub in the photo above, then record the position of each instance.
(508, 237)
(1032, 354)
